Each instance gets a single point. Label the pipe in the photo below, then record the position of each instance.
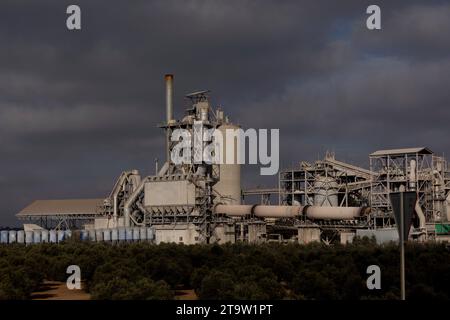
(277, 211)
(117, 187)
(334, 213)
(169, 111)
(130, 200)
(233, 210)
(420, 214)
(326, 213)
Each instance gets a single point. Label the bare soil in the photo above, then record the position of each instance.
(54, 290)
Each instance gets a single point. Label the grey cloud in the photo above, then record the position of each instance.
(76, 108)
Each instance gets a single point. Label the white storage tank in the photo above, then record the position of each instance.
(114, 235)
(20, 236)
(143, 234)
(107, 235)
(44, 236)
(229, 185)
(4, 236)
(37, 236)
(136, 234)
(29, 237)
(122, 234)
(68, 234)
(92, 234)
(129, 234)
(150, 234)
(60, 235)
(12, 236)
(52, 236)
(84, 235)
(99, 235)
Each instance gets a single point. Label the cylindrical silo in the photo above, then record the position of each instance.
(60, 235)
(129, 234)
(92, 234)
(150, 234)
(44, 235)
(4, 236)
(122, 234)
(99, 235)
(143, 234)
(84, 235)
(20, 236)
(28, 237)
(52, 236)
(107, 235)
(325, 192)
(37, 236)
(228, 187)
(114, 235)
(68, 234)
(136, 234)
(12, 236)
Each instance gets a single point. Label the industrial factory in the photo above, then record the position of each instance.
(326, 201)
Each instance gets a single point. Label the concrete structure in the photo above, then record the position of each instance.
(308, 234)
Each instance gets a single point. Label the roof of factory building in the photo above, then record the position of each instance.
(420, 150)
(61, 207)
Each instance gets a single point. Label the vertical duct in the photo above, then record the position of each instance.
(169, 111)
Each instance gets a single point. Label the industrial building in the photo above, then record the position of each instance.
(328, 200)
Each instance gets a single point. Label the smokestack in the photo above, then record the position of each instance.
(169, 97)
(169, 111)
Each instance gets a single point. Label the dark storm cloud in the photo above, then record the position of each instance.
(76, 108)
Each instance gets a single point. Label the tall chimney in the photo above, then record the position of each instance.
(169, 97)
(169, 111)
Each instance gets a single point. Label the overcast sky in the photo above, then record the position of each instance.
(77, 108)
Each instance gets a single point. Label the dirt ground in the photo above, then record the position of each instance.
(54, 290)
(185, 295)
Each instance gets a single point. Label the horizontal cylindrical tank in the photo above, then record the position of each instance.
(44, 236)
(52, 236)
(143, 234)
(12, 236)
(259, 210)
(107, 235)
(99, 235)
(84, 235)
(114, 234)
(136, 234)
(122, 234)
(4, 236)
(28, 237)
(20, 236)
(60, 235)
(277, 211)
(333, 213)
(129, 234)
(37, 236)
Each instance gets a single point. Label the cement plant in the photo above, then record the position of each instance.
(325, 201)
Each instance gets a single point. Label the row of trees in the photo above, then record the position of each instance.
(238, 271)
